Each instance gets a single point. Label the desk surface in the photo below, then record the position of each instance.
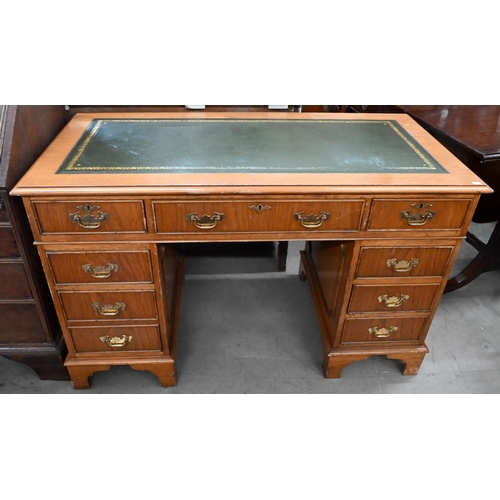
(407, 156)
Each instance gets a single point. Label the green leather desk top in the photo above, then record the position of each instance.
(247, 146)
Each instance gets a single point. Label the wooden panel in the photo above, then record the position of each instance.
(331, 260)
(357, 330)
(122, 267)
(8, 245)
(387, 214)
(20, 323)
(138, 305)
(365, 298)
(122, 216)
(343, 215)
(432, 261)
(144, 338)
(13, 281)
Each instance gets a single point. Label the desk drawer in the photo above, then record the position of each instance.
(90, 216)
(402, 262)
(20, 324)
(101, 267)
(382, 330)
(116, 339)
(238, 216)
(108, 306)
(418, 214)
(8, 245)
(392, 299)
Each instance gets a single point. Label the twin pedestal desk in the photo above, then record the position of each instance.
(381, 206)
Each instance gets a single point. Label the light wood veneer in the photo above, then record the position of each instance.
(364, 249)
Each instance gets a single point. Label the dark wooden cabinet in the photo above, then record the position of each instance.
(29, 329)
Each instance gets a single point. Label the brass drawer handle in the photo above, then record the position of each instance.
(418, 218)
(311, 220)
(382, 333)
(100, 271)
(89, 221)
(205, 221)
(393, 301)
(116, 341)
(403, 266)
(108, 309)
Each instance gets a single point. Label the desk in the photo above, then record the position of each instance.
(381, 206)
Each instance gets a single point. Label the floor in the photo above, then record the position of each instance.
(247, 328)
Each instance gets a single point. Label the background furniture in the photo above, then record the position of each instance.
(29, 328)
(380, 245)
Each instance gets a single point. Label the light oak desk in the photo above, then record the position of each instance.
(381, 205)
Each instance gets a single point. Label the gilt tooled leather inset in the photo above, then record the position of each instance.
(247, 146)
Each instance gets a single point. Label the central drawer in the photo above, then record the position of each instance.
(108, 306)
(101, 267)
(258, 216)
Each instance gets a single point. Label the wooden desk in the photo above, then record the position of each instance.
(382, 208)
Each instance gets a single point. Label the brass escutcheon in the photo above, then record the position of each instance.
(205, 221)
(403, 266)
(116, 341)
(108, 309)
(89, 221)
(418, 218)
(382, 333)
(311, 220)
(260, 208)
(393, 301)
(100, 271)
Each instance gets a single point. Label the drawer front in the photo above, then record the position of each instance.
(116, 339)
(90, 217)
(108, 306)
(261, 216)
(13, 282)
(101, 267)
(392, 299)
(415, 214)
(402, 262)
(20, 323)
(8, 245)
(382, 330)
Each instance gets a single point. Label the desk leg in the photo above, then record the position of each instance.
(488, 259)
(282, 254)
